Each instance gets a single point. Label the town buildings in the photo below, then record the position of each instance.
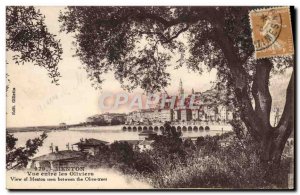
(183, 107)
(107, 118)
(110, 116)
(207, 106)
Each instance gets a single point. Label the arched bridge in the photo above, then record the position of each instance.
(139, 128)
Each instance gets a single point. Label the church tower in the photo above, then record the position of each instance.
(180, 90)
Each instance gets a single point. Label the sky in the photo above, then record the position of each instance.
(38, 102)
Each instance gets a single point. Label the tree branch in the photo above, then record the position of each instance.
(177, 34)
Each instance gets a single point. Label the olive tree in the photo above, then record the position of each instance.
(139, 43)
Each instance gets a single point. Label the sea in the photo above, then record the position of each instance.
(62, 138)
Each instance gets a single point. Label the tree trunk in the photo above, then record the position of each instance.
(272, 139)
(257, 119)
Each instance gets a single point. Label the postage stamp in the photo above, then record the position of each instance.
(271, 32)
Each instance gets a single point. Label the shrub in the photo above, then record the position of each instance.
(174, 163)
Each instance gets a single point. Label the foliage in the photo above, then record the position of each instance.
(99, 120)
(105, 43)
(18, 158)
(189, 145)
(208, 144)
(28, 36)
(238, 128)
(132, 41)
(96, 120)
(118, 120)
(121, 152)
(139, 43)
(10, 142)
(206, 164)
(144, 164)
(236, 166)
(122, 156)
(171, 143)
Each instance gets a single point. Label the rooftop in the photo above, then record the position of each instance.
(147, 132)
(91, 142)
(60, 155)
(133, 142)
(146, 142)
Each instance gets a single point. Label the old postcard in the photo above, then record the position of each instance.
(160, 97)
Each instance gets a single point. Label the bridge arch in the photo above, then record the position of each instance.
(178, 128)
(156, 128)
(134, 128)
(124, 128)
(129, 128)
(201, 128)
(195, 128)
(207, 128)
(140, 128)
(190, 128)
(150, 128)
(161, 128)
(184, 128)
(145, 128)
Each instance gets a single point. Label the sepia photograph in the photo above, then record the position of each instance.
(150, 97)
